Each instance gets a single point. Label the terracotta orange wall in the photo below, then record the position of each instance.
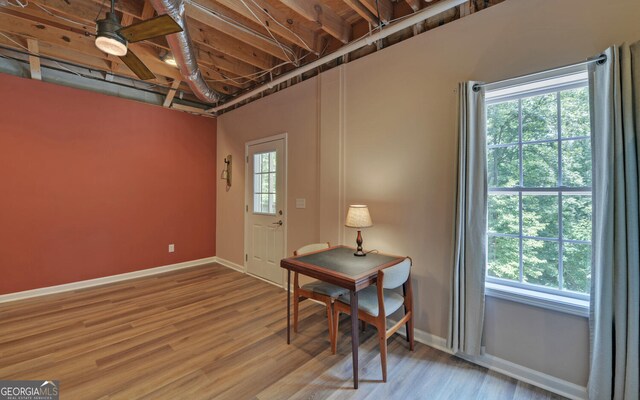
(93, 185)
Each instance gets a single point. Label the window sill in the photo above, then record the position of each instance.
(537, 299)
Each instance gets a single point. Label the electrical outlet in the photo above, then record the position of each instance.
(172, 248)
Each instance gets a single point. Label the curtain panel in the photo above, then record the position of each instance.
(615, 291)
(466, 314)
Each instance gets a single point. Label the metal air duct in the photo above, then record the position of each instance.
(183, 51)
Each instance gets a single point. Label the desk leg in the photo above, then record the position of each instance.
(288, 306)
(355, 336)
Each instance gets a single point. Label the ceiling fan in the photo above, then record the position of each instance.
(112, 38)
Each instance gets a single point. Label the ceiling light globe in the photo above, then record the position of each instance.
(111, 46)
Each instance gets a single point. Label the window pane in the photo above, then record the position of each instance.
(540, 215)
(257, 203)
(575, 112)
(257, 163)
(272, 182)
(503, 213)
(540, 165)
(264, 186)
(540, 262)
(257, 183)
(504, 257)
(503, 167)
(576, 217)
(272, 166)
(576, 264)
(272, 203)
(539, 117)
(502, 123)
(576, 163)
(264, 203)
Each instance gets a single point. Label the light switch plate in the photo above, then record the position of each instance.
(301, 203)
(172, 248)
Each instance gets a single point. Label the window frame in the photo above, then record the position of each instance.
(268, 173)
(563, 300)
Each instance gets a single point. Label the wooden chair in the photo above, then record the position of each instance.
(377, 302)
(317, 290)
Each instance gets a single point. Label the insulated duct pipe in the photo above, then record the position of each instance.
(183, 51)
(416, 18)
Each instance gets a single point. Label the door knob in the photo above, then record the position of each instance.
(277, 223)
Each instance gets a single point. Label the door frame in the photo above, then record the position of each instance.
(248, 192)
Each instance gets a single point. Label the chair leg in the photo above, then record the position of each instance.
(330, 321)
(382, 338)
(410, 332)
(336, 321)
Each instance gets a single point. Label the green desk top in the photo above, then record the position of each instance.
(342, 260)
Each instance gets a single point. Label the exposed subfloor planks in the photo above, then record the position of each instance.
(210, 332)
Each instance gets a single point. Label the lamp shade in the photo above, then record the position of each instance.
(358, 217)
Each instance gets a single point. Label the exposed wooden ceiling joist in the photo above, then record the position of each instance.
(324, 16)
(237, 43)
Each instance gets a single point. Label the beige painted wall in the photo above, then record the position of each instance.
(382, 131)
(293, 112)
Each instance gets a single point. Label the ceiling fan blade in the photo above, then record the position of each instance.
(135, 65)
(151, 28)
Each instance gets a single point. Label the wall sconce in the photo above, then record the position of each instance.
(226, 172)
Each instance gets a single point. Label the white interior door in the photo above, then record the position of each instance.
(265, 222)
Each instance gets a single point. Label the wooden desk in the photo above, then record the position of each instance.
(338, 265)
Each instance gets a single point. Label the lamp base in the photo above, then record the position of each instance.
(359, 252)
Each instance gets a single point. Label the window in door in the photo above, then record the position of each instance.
(264, 183)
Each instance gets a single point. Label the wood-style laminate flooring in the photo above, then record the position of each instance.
(209, 332)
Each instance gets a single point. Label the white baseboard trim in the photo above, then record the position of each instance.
(528, 375)
(241, 268)
(102, 281)
(519, 372)
(229, 264)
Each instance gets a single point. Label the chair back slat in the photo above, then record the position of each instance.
(310, 248)
(396, 275)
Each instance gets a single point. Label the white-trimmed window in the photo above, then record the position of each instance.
(539, 178)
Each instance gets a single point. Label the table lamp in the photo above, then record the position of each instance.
(358, 217)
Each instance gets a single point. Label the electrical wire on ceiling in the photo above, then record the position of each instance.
(283, 26)
(255, 75)
(59, 16)
(295, 62)
(235, 24)
(20, 4)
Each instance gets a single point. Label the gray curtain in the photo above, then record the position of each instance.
(615, 298)
(467, 305)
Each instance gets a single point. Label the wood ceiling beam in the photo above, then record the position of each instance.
(34, 61)
(218, 61)
(324, 16)
(171, 94)
(131, 7)
(208, 37)
(83, 11)
(264, 44)
(362, 11)
(24, 27)
(217, 77)
(416, 5)
(65, 54)
(289, 28)
(385, 7)
(147, 11)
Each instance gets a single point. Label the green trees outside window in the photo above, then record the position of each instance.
(539, 176)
